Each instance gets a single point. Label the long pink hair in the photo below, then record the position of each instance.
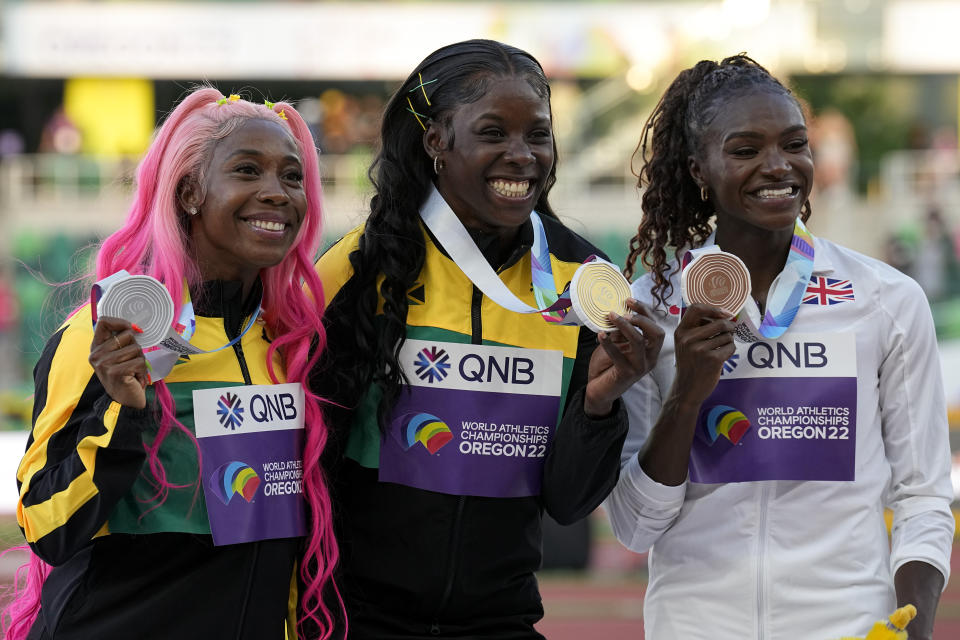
(154, 240)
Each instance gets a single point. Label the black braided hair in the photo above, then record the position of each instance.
(392, 244)
(673, 212)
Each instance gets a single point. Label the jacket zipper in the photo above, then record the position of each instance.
(246, 596)
(476, 337)
(476, 322)
(237, 346)
(238, 349)
(451, 565)
(761, 555)
(242, 361)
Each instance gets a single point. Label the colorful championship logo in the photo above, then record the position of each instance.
(230, 411)
(725, 421)
(431, 364)
(427, 429)
(234, 478)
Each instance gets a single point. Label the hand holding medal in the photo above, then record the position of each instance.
(130, 314)
(145, 303)
(715, 286)
(715, 278)
(140, 300)
(597, 287)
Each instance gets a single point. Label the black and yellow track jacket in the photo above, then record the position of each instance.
(422, 564)
(124, 567)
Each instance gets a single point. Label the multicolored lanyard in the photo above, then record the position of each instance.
(596, 288)
(786, 292)
(553, 307)
(785, 295)
(186, 326)
(456, 241)
(144, 300)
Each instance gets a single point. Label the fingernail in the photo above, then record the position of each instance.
(136, 328)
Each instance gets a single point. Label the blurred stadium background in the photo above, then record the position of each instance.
(83, 83)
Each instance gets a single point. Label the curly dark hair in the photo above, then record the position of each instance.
(673, 213)
(392, 245)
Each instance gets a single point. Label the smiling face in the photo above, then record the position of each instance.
(755, 160)
(252, 205)
(497, 153)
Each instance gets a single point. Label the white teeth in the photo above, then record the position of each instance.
(511, 189)
(268, 225)
(775, 193)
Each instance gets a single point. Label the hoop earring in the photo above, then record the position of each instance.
(704, 193)
(437, 165)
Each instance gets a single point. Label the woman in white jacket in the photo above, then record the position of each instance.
(764, 447)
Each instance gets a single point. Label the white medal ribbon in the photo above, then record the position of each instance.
(600, 292)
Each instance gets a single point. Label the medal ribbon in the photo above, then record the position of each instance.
(161, 352)
(786, 292)
(456, 241)
(186, 324)
(787, 289)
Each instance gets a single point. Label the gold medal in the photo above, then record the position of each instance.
(597, 288)
(718, 279)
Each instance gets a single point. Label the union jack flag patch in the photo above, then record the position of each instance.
(828, 291)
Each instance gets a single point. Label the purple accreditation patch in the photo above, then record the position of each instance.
(475, 420)
(783, 410)
(251, 442)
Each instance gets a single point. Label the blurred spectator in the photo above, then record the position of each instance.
(935, 266)
(897, 253)
(835, 149)
(11, 143)
(60, 135)
(9, 340)
(343, 123)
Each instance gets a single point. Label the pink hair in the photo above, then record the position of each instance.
(154, 241)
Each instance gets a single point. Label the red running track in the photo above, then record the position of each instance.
(606, 602)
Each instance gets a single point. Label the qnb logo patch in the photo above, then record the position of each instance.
(730, 364)
(725, 421)
(230, 411)
(234, 478)
(432, 364)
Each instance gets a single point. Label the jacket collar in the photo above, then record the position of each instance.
(486, 242)
(224, 299)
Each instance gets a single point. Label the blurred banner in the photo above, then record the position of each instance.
(379, 40)
(115, 116)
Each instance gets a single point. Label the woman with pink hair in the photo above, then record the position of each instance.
(140, 523)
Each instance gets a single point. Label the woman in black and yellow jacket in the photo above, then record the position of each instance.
(115, 486)
(456, 422)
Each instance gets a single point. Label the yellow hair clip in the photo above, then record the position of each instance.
(222, 101)
(282, 115)
(423, 87)
(268, 104)
(233, 97)
(415, 114)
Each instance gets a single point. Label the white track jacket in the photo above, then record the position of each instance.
(779, 559)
